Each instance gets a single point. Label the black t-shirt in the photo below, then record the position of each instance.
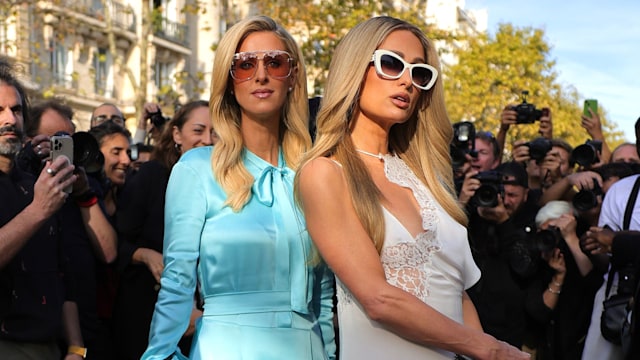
(31, 285)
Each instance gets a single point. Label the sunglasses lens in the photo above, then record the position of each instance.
(390, 65)
(421, 75)
(277, 65)
(244, 66)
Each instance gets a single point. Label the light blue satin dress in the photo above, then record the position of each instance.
(263, 296)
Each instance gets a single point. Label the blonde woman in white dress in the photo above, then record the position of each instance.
(377, 193)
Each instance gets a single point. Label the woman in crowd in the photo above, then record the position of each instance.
(378, 196)
(231, 224)
(141, 229)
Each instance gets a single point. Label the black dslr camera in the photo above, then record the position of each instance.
(491, 185)
(463, 143)
(546, 240)
(587, 199)
(158, 120)
(527, 113)
(538, 148)
(587, 153)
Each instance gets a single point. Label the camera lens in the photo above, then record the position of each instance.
(585, 155)
(547, 240)
(585, 200)
(486, 196)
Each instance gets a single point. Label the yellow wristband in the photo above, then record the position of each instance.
(82, 351)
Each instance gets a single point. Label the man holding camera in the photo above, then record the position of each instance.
(89, 239)
(499, 237)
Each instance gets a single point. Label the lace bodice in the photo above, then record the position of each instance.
(407, 261)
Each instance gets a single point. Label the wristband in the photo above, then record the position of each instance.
(77, 350)
(87, 203)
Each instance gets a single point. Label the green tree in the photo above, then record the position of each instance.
(320, 25)
(491, 73)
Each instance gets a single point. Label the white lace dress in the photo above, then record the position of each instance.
(435, 267)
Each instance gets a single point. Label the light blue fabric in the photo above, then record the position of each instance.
(263, 298)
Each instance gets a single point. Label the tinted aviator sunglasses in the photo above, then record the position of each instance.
(104, 118)
(390, 65)
(277, 64)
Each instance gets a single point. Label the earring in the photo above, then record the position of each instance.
(178, 148)
(290, 88)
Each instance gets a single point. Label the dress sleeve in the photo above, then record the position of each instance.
(185, 212)
(323, 307)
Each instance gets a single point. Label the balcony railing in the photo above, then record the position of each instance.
(122, 15)
(170, 30)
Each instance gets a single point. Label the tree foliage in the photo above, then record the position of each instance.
(492, 72)
(320, 25)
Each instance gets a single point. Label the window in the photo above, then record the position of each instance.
(164, 73)
(103, 65)
(61, 64)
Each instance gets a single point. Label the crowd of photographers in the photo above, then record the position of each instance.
(81, 224)
(531, 216)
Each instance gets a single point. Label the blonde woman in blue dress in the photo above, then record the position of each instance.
(231, 223)
(377, 193)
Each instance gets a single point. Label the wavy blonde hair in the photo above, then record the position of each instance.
(422, 141)
(226, 160)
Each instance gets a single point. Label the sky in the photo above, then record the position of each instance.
(595, 43)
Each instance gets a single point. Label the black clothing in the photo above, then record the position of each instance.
(625, 251)
(32, 285)
(86, 268)
(560, 333)
(508, 263)
(140, 225)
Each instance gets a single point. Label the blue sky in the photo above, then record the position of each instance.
(595, 43)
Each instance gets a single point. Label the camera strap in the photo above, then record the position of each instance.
(631, 204)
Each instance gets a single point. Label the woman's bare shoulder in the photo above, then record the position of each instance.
(323, 174)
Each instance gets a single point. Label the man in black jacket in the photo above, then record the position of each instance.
(500, 242)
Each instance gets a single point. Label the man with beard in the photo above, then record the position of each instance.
(34, 303)
(500, 242)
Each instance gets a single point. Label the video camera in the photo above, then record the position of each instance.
(491, 185)
(587, 153)
(527, 113)
(463, 143)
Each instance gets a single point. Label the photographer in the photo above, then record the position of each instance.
(499, 238)
(531, 154)
(524, 113)
(591, 123)
(150, 124)
(556, 302)
(88, 239)
(483, 157)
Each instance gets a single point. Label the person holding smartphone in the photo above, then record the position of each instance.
(590, 121)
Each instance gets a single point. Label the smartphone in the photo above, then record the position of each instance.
(590, 104)
(62, 145)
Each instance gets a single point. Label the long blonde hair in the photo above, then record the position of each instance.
(424, 149)
(226, 160)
